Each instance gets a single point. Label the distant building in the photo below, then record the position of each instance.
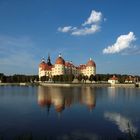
(113, 80)
(62, 67)
(130, 79)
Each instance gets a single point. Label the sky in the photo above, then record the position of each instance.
(108, 31)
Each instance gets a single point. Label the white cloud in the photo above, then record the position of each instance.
(95, 17)
(86, 31)
(132, 51)
(124, 124)
(90, 26)
(66, 29)
(122, 43)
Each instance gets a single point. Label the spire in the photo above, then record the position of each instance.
(90, 59)
(60, 55)
(49, 60)
(48, 55)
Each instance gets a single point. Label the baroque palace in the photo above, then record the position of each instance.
(62, 67)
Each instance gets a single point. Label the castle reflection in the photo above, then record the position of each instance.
(62, 98)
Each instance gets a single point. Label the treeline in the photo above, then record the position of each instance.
(18, 78)
(121, 78)
(63, 78)
(58, 78)
(82, 78)
(67, 78)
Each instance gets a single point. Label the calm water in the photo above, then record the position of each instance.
(69, 113)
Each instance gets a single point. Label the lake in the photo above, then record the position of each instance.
(69, 113)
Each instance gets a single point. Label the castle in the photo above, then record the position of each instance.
(62, 67)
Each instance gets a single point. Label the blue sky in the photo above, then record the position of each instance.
(105, 30)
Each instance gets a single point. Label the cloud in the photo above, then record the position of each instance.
(90, 26)
(124, 124)
(122, 43)
(15, 41)
(132, 51)
(86, 31)
(66, 29)
(95, 17)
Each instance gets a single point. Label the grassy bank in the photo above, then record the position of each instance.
(19, 84)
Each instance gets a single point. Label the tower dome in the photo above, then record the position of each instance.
(91, 63)
(60, 60)
(43, 65)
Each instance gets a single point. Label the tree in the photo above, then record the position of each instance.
(1, 75)
(66, 78)
(79, 77)
(92, 78)
(47, 78)
(61, 78)
(85, 78)
(43, 78)
(54, 78)
(121, 78)
(4, 79)
(97, 77)
(70, 77)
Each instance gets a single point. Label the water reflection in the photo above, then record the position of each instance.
(124, 124)
(80, 135)
(20, 112)
(62, 98)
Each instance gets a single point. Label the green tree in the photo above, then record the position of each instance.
(92, 78)
(85, 78)
(97, 77)
(79, 77)
(47, 78)
(70, 77)
(65, 78)
(4, 79)
(43, 78)
(1, 76)
(54, 78)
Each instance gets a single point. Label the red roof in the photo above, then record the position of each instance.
(91, 63)
(45, 66)
(60, 60)
(113, 78)
(82, 66)
(68, 64)
(130, 78)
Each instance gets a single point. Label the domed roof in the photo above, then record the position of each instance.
(60, 60)
(91, 63)
(43, 65)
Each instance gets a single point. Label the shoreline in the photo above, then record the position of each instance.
(74, 84)
(70, 84)
(19, 84)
